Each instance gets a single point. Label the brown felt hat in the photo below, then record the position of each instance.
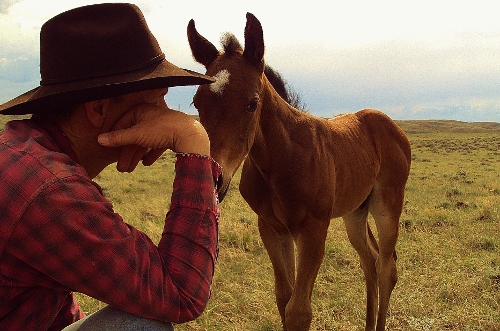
(96, 52)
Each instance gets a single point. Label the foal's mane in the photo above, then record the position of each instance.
(232, 47)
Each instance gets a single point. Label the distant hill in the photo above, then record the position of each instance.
(447, 126)
(409, 126)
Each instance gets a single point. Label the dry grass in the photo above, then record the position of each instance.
(449, 262)
(448, 252)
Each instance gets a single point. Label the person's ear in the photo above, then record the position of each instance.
(96, 112)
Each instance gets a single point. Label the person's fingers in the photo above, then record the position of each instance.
(138, 156)
(155, 127)
(129, 157)
(142, 125)
(152, 156)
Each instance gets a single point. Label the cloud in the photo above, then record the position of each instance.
(17, 75)
(427, 58)
(19, 70)
(453, 76)
(19, 58)
(6, 4)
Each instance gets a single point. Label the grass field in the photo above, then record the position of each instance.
(449, 247)
(448, 252)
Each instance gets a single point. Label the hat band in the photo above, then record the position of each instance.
(52, 81)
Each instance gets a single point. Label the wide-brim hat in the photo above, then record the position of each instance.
(96, 52)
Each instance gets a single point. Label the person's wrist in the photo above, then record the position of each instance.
(193, 139)
(195, 143)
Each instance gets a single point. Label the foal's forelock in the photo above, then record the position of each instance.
(231, 47)
(230, 44)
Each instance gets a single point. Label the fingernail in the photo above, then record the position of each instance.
(103, 139)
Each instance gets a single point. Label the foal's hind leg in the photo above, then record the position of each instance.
(386, 204)
(362, 240)
(280, 247)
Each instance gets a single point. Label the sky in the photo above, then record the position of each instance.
(426, 59)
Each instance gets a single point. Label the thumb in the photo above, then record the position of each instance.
(120, 135)
(118, 138)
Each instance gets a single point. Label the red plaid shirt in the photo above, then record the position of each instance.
(58, 234)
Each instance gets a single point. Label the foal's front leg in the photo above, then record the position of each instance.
(310, 239)
(279, 245)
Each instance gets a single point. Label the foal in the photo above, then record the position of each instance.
(300, 171)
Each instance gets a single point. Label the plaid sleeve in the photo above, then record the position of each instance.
(72, 240)
(194, 213)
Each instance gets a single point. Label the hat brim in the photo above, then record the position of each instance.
(160, 75)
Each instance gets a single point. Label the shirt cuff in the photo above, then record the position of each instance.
(195, 183)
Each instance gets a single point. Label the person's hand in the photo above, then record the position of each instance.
(146, 131)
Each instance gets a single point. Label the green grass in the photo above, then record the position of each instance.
(448, 252)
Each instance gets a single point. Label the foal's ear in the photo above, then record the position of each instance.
(254, 40)
(203, 50)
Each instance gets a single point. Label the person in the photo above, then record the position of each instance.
(101, 101)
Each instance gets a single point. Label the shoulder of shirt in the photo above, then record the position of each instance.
(31, 158)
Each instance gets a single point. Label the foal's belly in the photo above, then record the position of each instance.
(291, 212)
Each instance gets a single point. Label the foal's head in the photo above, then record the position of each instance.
(229, 109)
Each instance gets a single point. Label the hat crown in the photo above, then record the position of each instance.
(96, 52)
(96, 41)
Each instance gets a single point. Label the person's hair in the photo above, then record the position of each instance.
(56, 114)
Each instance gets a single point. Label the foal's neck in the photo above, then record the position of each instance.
(277, 114)
(277, 119)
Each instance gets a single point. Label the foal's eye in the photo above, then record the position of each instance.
(252, 106)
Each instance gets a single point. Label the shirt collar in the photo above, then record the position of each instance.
(59, 138)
